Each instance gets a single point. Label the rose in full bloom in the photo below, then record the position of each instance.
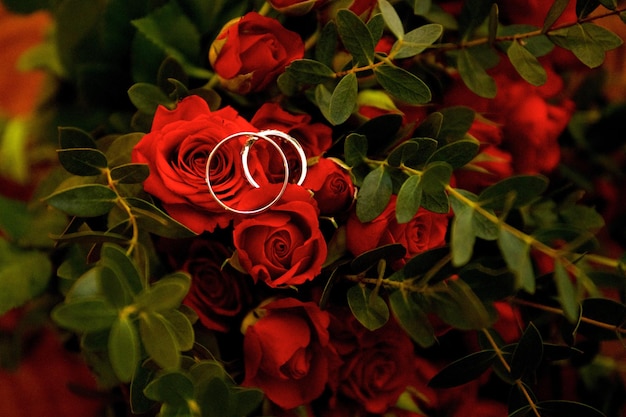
(177, 149)
(331, 186)
(427, 230)
(218, 294)
(282, 245)
(252, 51)
(315, 138)
(377, 365)
(287, 352)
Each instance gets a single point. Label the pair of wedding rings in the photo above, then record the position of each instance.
(272, 137)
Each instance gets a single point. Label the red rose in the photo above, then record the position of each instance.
(331, 186)
(283, 245)
(377, 365)
(315, 138)
(295, 7)
(489, 167)
(427, 230)
(287, 352)
(251, 51)
(531, 121)
(176, 150)
(218, 294)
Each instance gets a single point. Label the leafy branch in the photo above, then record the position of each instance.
(546, 30)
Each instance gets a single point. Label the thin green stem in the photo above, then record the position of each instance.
(505, 364)
(555, 310)
(449, 46)
(121, 203)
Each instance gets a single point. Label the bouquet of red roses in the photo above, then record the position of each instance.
(330, 208)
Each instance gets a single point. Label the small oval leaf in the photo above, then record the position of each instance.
(369, 309)
(84, 200)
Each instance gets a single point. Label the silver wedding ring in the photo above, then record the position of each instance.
(251, 139)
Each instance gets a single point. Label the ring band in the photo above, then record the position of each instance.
(252, 138)
(267, 135)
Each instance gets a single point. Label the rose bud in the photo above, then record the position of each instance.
(252, 51)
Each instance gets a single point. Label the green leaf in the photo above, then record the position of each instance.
(556, 10)
(326, 45)
(372, 257)
(528, 353)
(435, 178)
(492, 24)
(412, 319)
(246, 400)
(422, 7)
(473, 14)
(368, 308)
(402, 84)
(115, 258)
(165, 294)
(417, 40)
(566, 291)
(147, 97)
(159, 340)
(374, 195)
(526, 64)
(130, 173)
(24, 275)
(456, 122)
(88, 314)
(82, 161)
(181, 328)
(516, 253)
(425, 263)
(474, 75)
(391, 18)
(215, 398)
(603, 36)
(123, 348)
(322, 99)
(355, 36)
(169, 28)
(429, 129)
(582, 216)
(407, 153)
(206, 370)
(84, 200)
(154, 220)
(456, 154)
(464, 370)
(73, 137)
(609, 4)
(355, 149)
(462, 231)
(174, 388)
(459, 306)
(139, 403)
(583, 46)
(343, 100)
(537, 45)
(114, 288)
(409, 199)
(308, 71)
(513, 192)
